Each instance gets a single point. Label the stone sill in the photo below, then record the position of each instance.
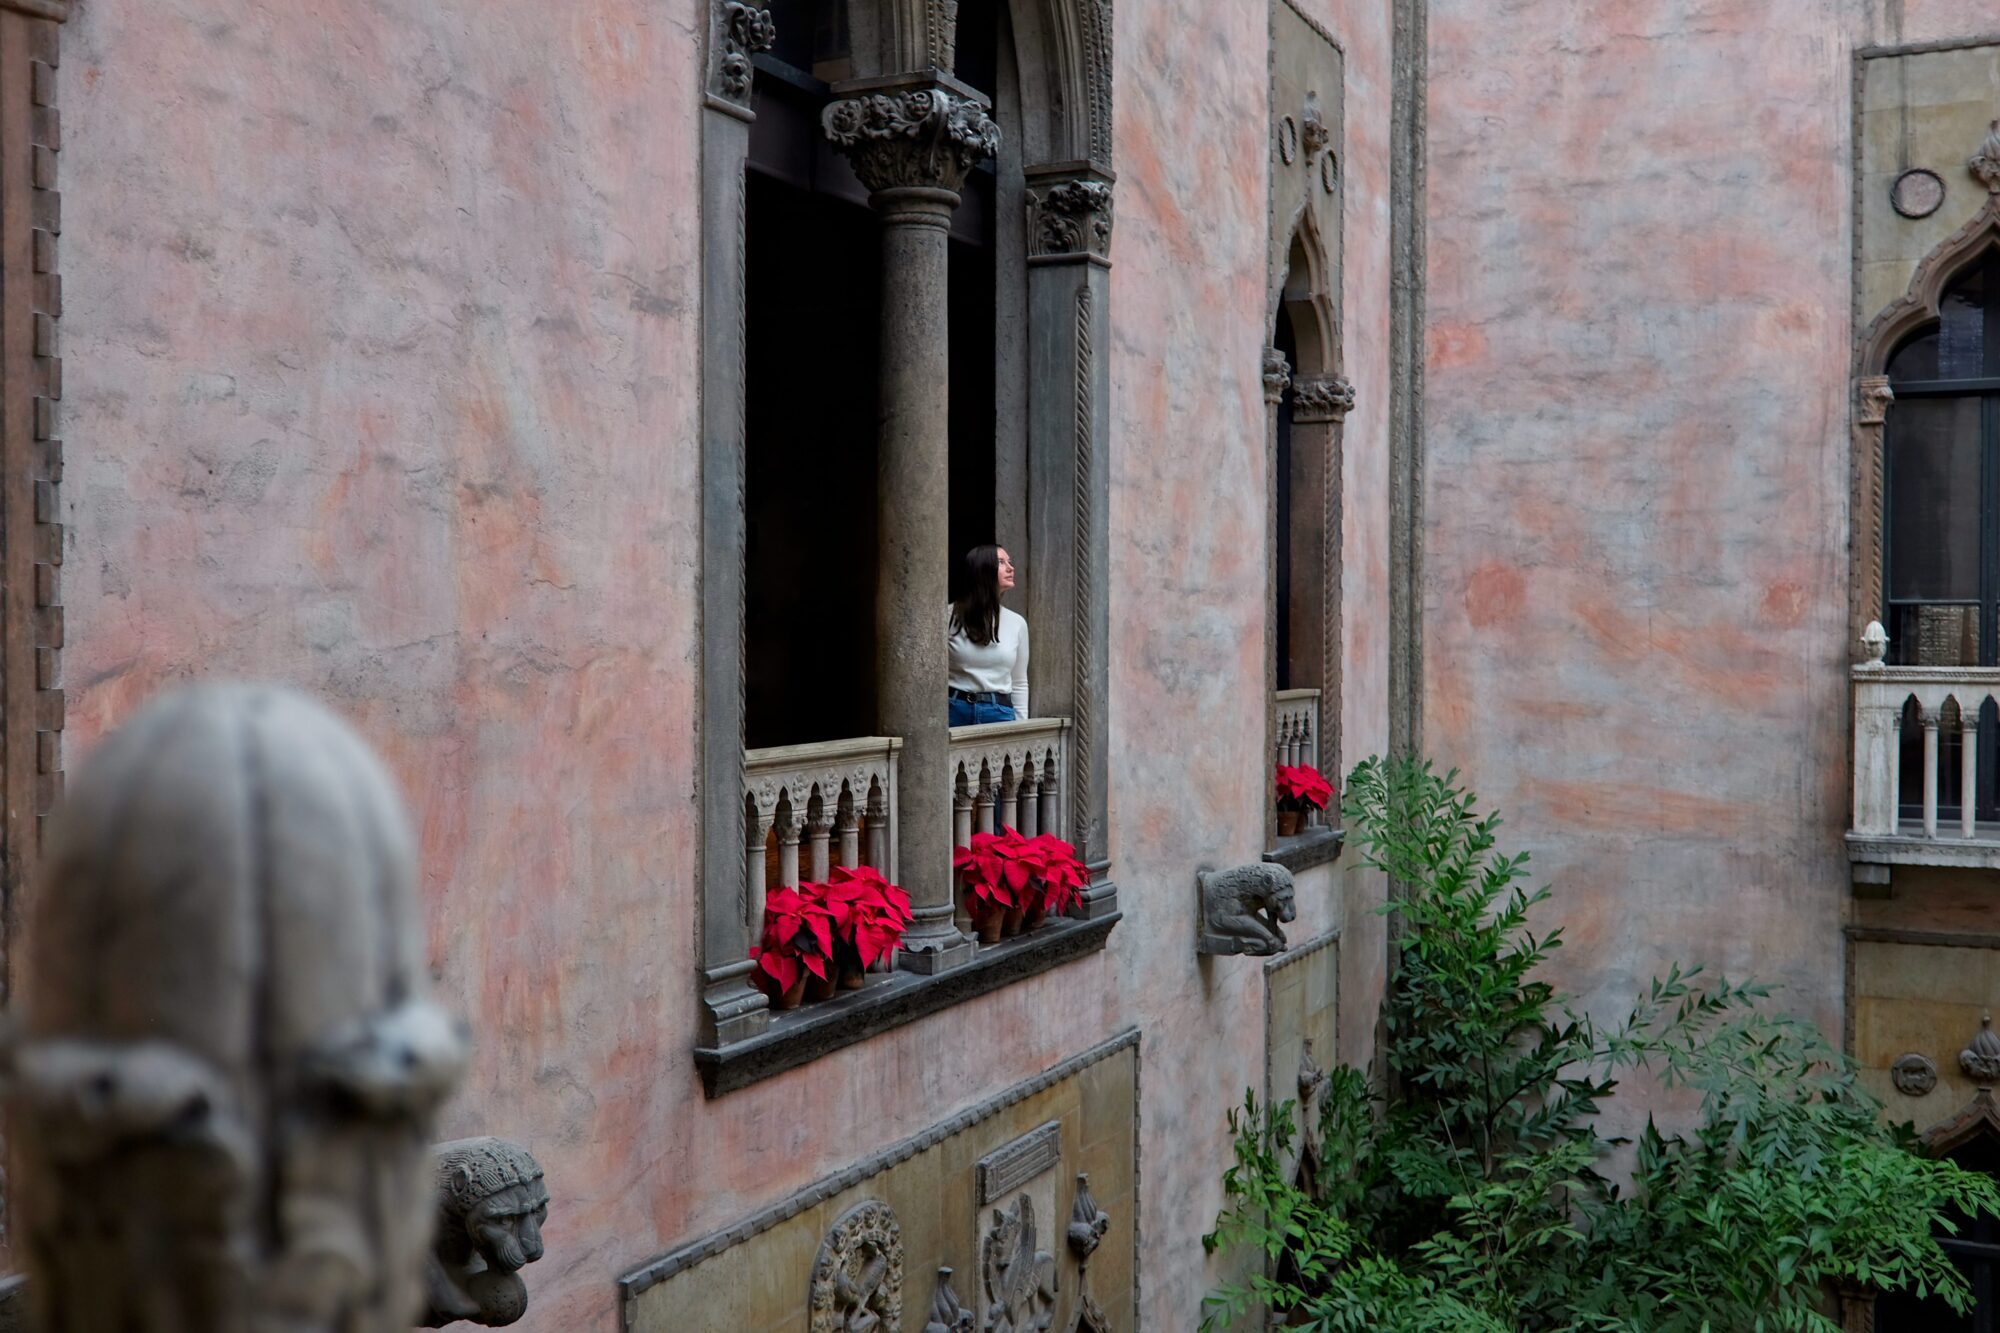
(802, 1035)
(1314, 847)
(1978, 853)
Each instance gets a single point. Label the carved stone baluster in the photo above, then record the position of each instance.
(790, 822)
(1028, 797)
(1052, 799)
(849, 822)
(819, 828)
(1010, 778)
(982, 799)
(878, 827)
(961, 807)
(227, 1064)
(1968, 769)
(1930, 771)
(1896, 772)
(757, 816)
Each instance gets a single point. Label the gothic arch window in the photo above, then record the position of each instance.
(906, 223)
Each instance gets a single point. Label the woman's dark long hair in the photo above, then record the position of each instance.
(977, 611)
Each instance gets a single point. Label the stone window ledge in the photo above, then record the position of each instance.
(803, 1035)
(1314, 847)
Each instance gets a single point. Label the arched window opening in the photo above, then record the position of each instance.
(1285, 339)
(1975, 1247)
(1941, 507)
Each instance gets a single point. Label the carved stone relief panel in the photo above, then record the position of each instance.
(1301, 1035)
(1017, 1231)
(857, 1278)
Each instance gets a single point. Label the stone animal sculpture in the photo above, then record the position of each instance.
(1242, 909)
(1020, 1275)
(227, 1066)
(491, 1206)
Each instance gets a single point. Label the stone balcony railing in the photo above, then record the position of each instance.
(1009, 775)
(1882, 834)
(1298, 736)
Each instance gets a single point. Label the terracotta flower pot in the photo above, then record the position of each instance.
(1289, 822)
(853, 978)
(818, 988)
(987, 920)
(1010, 922)
(1038, 912)
(789, 998)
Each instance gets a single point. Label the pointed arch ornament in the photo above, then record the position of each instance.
(1919, 307)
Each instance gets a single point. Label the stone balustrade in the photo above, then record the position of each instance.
(834, 799)
(1009, 775)
(1944, 696)
(1298, 735)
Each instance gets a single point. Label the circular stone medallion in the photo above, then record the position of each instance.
(1914, 1075)
(1917, 193)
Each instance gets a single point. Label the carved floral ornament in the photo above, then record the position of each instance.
(922, 138)
(746, 30)
(857, 1278)
(1070, 218)
(1277, 374)
(1322, 398)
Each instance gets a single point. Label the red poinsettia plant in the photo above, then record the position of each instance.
(798, 938)
(995, 870)
(1301, 787)
(869, 915)
(1059, 870)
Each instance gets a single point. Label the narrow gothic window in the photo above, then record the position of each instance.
(1942, 505)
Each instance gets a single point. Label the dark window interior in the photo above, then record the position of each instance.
(1286, 341)
(1976, 1251)
(1941, 507)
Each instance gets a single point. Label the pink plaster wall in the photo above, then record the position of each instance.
(381, 345)
(1636, 524)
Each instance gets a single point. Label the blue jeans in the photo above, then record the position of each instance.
(965, 713)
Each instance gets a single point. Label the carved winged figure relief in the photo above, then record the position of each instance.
(1020, 1279)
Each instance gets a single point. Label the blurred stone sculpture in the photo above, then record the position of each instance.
(227, 1065)
(491, 1206)
(1243, 909)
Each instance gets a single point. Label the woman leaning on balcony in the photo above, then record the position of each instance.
(989, 644)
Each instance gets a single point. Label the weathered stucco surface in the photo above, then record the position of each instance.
(381, 350)
(1636, 525)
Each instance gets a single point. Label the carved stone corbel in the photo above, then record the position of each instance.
(1321, 398)
(491, 1206)
(228, 1063)
(1243, 909)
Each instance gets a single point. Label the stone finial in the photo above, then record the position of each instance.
(1242, 910)
(1985, 163)
(916, 138)
(1874, 644)
(1981, 1060)
(227, 1063)
(947, 1314)
(1087, 1222)
(491, 1206)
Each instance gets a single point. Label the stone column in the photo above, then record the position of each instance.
(912, 141)
(1277, 378)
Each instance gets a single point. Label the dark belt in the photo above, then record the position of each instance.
(981, 696)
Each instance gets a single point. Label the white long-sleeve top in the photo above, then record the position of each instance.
(999, 667)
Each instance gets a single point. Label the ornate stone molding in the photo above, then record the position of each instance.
(1985, 163)
(857, 1278)
(915, 138)
(1321, 398)
(1920, 304)
(739, 30)
(1277, 374)
(1070, 218)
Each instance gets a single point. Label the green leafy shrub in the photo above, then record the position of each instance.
(1473, 1198)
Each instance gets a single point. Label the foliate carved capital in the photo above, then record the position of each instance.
(741, 31)
(1985, 163)
(1321, 398)
(923, 138)
(1876, 399)
(1071, 217)
(1277, 374)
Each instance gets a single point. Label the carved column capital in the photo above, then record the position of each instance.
(1985, 163)
(1321, 398)
(1875, 399)
(1277, 374)
(912, 137)
(738, 30)
(1070, 216)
